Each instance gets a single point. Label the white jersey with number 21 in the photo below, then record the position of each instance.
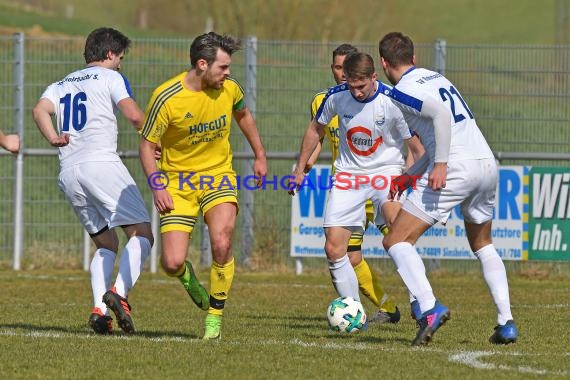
(417, 85)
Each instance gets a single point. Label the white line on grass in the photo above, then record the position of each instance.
(346, 344)
(542, 306)
(55, 335)
(471, 359)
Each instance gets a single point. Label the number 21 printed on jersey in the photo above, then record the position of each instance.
(449, 95)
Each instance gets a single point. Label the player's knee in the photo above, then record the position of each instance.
(106, 239)
(388, 241)
(150, 239)
(222, 250)
(141, 229)
(334, 251)
(170, 265)
(149, 236)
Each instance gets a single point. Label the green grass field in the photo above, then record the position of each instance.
(275, 328)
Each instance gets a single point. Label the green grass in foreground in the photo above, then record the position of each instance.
(274, 328)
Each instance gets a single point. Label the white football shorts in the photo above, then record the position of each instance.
(470, 183)
(347, 198)
(103, 194)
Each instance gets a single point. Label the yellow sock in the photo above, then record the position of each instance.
(371, 287)
(221, 277)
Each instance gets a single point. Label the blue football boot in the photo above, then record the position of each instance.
(505, 334)
(430, 321)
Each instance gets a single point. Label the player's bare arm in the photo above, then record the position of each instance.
(42, 113)
(132, 112)
(315, 155)
(162, 199)
(10, 142)
(247, 125)
(415, 149)
(310, 141)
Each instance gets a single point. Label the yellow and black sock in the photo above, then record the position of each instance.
(221, 277)
(371, 286)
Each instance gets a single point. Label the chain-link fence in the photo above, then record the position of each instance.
(519, 95)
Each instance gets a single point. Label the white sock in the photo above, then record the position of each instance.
(343, 278)
(132, 262)
(411, 269)
(102, 267)
(412, 297)
(496, 278)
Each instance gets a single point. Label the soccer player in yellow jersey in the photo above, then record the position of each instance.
(190, 116)
(368, 281)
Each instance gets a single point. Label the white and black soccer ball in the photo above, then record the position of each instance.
(346, 315)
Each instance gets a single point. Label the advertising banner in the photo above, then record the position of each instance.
(549, 213)
(509, 231)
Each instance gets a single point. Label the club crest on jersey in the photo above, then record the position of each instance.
(379, 119)
(360, 141)
(188, 115)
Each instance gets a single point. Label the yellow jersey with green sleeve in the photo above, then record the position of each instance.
(331, 130)
(193, 127)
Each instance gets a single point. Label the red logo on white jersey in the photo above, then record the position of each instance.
(360, 141)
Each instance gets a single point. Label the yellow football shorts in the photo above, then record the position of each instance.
(196, 192)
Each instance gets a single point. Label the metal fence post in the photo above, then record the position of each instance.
(246, 208)
(19, 165)
(440, 52)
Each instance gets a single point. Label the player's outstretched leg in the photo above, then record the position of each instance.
(430, 322)
(370, 285)
(384, 316)
(505, 334)
(122, 310)
(195, 290)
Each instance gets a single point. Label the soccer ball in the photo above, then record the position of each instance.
(346, 315)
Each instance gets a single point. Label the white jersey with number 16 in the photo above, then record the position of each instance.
(85, 102)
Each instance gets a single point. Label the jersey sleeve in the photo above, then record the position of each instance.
(316, 103)
(237, 95)
(400, 125)
(50, 94)
(119, 87)
(406, 101)
(326, 110)
(156, 118)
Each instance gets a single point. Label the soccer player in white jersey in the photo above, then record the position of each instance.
(94, 180)
(372, 132)
(368, 280)
(461, 170)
